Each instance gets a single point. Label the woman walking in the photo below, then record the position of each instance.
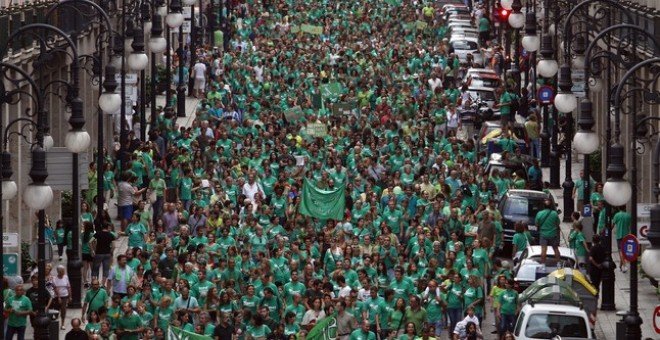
(62, 288)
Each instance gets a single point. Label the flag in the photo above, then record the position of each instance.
(175, 333)
(325, 329)
(323, 204)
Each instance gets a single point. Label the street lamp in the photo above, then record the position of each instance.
(530, 41)
(38, 195)
(651, 256)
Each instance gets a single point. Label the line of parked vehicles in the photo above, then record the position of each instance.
(557, 300)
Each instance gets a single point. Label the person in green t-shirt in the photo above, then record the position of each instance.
(547, 221)
(578, 243)
(504, 104)
(18, 307)
(129, 325)
(95, 298)
(621, 222)
(508, 308)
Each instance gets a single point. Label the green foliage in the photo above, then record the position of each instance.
(26, 259)
(596, 165)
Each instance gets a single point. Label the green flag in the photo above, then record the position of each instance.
(325, 329)
(323, 204)
(175, 333)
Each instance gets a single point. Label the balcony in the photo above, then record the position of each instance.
(16, 16)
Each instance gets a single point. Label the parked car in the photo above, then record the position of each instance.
(519, 205)
(496, 162)
(553, 312)
(484, 80)
(467, 45)
(474, 70)
(528, 268)
(490, 133)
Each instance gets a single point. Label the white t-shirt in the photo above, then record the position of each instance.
(200, 70)
(61, 286)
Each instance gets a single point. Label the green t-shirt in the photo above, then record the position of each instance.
(622, 222)
(520, 241)
(505, 104)
(18, 304)
(508, 302)
(136, 233)
(131, 322)
(96, 299)
(548, 222)
(158, 186)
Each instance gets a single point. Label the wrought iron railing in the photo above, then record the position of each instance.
(16, 16)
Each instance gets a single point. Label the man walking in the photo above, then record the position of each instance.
(18, 307)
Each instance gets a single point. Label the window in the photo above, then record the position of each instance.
(516, 206)
(464, 45)
(521, 319)
(547, 326)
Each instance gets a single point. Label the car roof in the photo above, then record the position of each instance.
(487, 75)
(481, 88)
(540, 307)
(527, 193)
(563, 251)
(480, 70)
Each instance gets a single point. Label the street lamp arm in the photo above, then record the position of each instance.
(14, 96)
(583, 6)
(588, 57)
(31, 28)
(72, 3)
(628, 75)
(29, 126)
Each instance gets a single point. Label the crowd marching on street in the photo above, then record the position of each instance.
(327, 172)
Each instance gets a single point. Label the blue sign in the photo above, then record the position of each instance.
(546, 94)
(586, 210)
(630, 247)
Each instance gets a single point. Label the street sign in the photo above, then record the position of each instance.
(546, 94)
(630, 247)
(643, 222)
(586, 210)
(10, 240)
(10, 264)
(656, 319)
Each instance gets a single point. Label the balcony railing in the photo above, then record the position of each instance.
(16, 16)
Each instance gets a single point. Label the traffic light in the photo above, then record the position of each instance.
(504, 15)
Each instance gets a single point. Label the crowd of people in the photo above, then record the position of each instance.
(217, 245)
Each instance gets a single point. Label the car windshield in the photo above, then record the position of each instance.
(485, 82)
(484, 95)
(523, 206)
(547, 326)
(464, 45)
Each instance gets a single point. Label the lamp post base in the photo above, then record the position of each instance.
(180, 101)
(41, 325)
(569, 204)
(633, 326)
(607, 288)
(74, 267)
(554, 170)
(545, 150)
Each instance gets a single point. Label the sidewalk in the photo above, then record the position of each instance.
(121, 244)
(647, 297)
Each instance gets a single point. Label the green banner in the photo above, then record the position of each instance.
(311, 29)
(316, 130)
(346, 108)
(421, 24)
(325, 329)
(293, 114)
(295, 29)
(322, 204)
(332, 90)
(393, 2)
(175, 333)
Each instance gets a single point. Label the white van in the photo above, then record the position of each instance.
(548, 320)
